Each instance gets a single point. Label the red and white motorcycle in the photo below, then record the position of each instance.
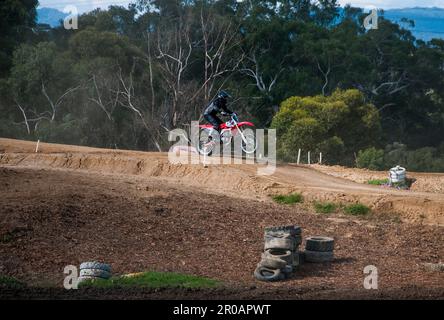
(209, 138)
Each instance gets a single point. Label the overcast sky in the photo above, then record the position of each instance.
(87, 5)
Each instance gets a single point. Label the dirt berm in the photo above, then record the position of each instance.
(237, 180)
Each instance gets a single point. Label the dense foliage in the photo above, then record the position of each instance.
(335, 125)
(128, 75)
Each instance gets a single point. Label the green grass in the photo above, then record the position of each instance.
(153, 280)
(325, 207)
(289, 199)
(357, 209)
(378, 182)
(6, 238)
(10, 282)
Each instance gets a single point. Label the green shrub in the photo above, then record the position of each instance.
(371, 158)
(335, 125)
(289, 199)
(378, 182)
(357, 209)
(427, 159)
(325, 207)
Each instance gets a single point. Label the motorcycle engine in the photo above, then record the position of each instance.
(226, 137)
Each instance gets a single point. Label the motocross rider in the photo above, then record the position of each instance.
(218, 105)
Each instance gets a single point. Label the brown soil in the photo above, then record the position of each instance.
(235, 180)
(136, 211)
(423, 182)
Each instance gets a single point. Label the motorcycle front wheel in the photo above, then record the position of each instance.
(249, 145)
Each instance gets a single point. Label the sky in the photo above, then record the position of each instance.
(391, 4)
(87, 5)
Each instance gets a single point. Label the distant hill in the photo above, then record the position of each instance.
(50, 16)
(429, 22)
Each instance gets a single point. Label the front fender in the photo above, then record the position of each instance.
(246, 124)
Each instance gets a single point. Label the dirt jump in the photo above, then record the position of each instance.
(137, 211)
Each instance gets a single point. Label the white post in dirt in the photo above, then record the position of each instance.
(299, 156)
(320, 157)
(37, 146)
(309, 158)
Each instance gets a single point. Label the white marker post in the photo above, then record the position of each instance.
(320, 158)
(299, 156)
(37, 146)
(309, 157)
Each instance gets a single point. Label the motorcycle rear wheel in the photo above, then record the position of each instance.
(205, 143)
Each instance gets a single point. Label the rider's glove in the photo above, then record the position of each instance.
(224, 113)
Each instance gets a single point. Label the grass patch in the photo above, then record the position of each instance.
(325, 207)
(378, 182)
(11, 282)
(6, 238)
(153, 280)
(289, 199)
(357, 209)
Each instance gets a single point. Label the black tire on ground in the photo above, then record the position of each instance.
(285, 255)
(279, 243)
(266, 274)
(288, 269)
(321, 244)
(272, 262)
(318, 256)
(293, 230)
(297, 240)
(301, 257)
(95, 265)
(296, 260)
(98, 273)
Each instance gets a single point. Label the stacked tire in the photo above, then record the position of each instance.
(280, 257)
(319, 249)
(94, 271)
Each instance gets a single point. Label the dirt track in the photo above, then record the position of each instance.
(136, 211)
(417, 205)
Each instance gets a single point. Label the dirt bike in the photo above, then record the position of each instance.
(209, 138)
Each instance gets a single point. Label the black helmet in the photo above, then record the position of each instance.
(223, 94)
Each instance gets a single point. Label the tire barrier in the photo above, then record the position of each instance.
(318, 256)
(322, 244)
(280, 257)
(319, 249)
(94, 271)
(285, 255)
(95, 265)
(292, 230)
(397, 175)
(266, 274)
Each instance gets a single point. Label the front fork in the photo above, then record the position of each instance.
(241, 133)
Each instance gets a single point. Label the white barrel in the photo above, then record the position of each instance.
(397, 174)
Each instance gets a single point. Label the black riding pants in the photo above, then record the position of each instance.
(214, 120)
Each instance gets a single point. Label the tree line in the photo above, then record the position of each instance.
(310, 69)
